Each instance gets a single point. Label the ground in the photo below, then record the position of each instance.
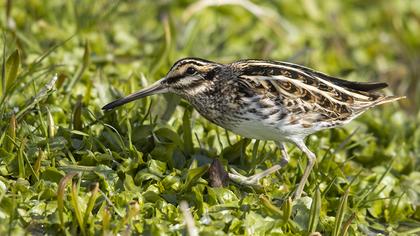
(67, 167)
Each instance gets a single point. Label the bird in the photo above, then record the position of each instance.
(266, 100)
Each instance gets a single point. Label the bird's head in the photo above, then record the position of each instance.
(188, 77)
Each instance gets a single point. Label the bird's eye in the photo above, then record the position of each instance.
(191, 70)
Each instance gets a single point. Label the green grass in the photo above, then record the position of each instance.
(68, 168)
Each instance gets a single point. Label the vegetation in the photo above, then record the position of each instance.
(68, 168)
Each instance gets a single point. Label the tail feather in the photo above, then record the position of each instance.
(379, 101)
(387, 99)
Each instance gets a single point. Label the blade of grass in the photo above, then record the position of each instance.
(287, 209)
(11, 134)
(14, 211)
(76, 207)
(219, 140)
(129, 134)
(29, 71)
(42, 122)
(373, 186)
(198, 141)
(44, 92)
(106, 219)
(347, 224)
(12, 68)
(50, 124)
(30, 166)
(414, 231)
(394, 208)
(48, 52)
(91, 203)
(266, 15)
(315, 211)
(338, 224)
(37, 165)
(131, 210)
(3, 69)
(188, 219)
(77, 115)
(281, 215)
(79, 73)
(21, 162)
(163, 51)
(271, 208)
(187, 133)
(193, 175)
(254, 159)
(116, 133)
(60, 196)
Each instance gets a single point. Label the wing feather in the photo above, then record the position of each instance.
(309, 95)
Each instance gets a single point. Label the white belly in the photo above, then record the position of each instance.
(272, 130)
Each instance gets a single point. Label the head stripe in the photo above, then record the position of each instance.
(190, 60)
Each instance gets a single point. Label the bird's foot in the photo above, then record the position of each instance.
(253, 180)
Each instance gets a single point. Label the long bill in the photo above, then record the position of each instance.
(155, 88)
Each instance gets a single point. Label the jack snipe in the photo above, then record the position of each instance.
(267, 100)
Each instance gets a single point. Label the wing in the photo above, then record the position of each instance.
(307, 95)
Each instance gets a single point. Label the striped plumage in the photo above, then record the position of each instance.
(267, 100)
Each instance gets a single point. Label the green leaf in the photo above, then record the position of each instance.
(224, 196)
(338, 225)
(12, 69)
(76, 206)
(164, 152)
(315, 211)
(187, 133)
(256, 224)
(50, 124)
(302, 210)
(171, 182)
(274, 210)
(157, 167)
(77, 115)
(169, 134)
(193, 175)
(60, 195)
(52, 174)
(79, 133)
(90, 205)
(287, 209)
(145, 175)
(10, 140)
(152, 194)
(235, 151)
(21, 162)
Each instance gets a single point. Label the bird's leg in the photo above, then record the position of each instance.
(254, 179)
(311, 162)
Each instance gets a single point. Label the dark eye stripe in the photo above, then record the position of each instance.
(210, 74)
(172, 80)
